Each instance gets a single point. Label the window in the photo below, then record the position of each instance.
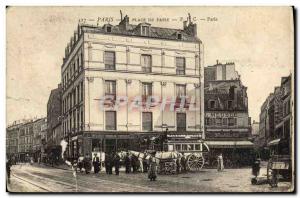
(147, 121)
(146, 63)
(219, 121)
(179, 36)
(225, 123)
(212, 104)
(197, 147)
(181, 122)
(110, 88)
(191, 147)
(180, 90)
(81, 91)
(229, 104)
(184, 147)
(231, 121)
(145, 30)
(108, 29)
(180, 65)
(147, 90)
(109, 60)
(178, 147)
(110, 120)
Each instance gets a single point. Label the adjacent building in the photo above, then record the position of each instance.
(39, 128)
(54, 117)
(276, 119)
(128, 64)
(24, 139)
(227, 122)
(12, 133)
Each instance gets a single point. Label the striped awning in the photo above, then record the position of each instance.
(230, 144)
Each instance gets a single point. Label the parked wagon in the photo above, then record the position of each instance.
(279, 164)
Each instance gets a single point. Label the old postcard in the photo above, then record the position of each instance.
(150, 99)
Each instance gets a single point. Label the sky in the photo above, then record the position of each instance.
(259, 40)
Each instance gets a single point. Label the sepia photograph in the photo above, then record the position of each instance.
(150, 99)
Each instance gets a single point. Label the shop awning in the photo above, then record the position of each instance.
(229, 144)
(274, 142)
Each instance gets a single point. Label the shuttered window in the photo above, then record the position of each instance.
(181, 122)
(109, 60)
(147, 90)
(180, 90)
(110, 120)
(180, 65)
(110, 87)
(147, 121)
(146, 63)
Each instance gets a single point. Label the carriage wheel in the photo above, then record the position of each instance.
(195, 163)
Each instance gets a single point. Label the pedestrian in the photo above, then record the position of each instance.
(133, 163)
(256, 167)
(127, 163)
(80, 162)
(183, 163)
(96, 163)
(152, 173)
(220, 163)
(145, 164)
(87, 164)
(117, 163)
(178, 165)
(106, 163)
(8, 169)
(111, 163)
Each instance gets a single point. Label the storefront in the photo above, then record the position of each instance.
(235, 153)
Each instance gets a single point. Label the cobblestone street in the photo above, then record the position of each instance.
(37, 178)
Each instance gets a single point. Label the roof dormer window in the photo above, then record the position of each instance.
(108, 29)
(179, 36)
(145, 30)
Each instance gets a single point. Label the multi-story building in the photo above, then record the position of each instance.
(122, 62)
(276, 112)
(23, 139)
(12, 139)
(38, 130)
(54, 129)
(227, 123)
(265, 120)
(25, 143)
(283, 117)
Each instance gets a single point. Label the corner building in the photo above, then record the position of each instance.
(129, 60)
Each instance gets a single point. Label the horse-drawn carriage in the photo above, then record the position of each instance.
(188, 154)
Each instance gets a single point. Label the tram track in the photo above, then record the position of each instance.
(31, 183)
(84, 185)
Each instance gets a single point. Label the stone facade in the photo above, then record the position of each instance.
(128, 57)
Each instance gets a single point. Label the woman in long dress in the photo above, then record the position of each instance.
(152, 173)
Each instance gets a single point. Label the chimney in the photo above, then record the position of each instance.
(191, 29)
(124, 23)
(184, 25)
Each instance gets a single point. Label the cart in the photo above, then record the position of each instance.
(194, 152)
(279, 164)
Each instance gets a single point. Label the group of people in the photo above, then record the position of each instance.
(132, 164)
